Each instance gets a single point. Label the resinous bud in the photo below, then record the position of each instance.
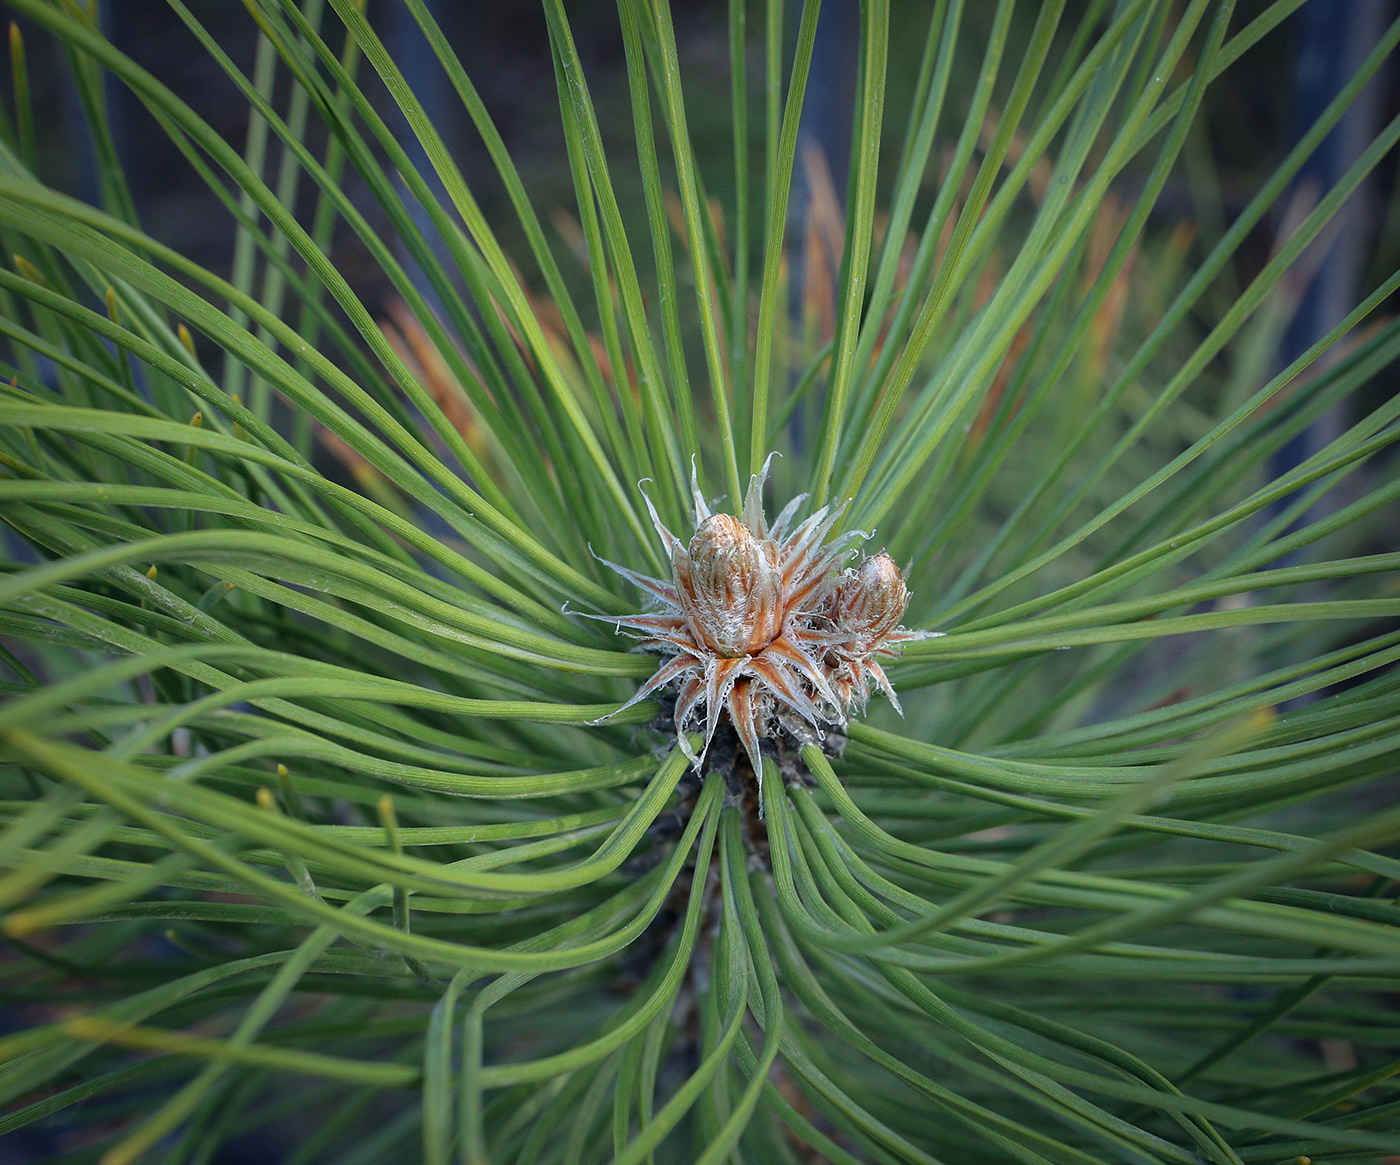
(871, 600)
(735, 587)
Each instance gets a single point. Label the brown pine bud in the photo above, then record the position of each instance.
(871, 600)
(734, 587)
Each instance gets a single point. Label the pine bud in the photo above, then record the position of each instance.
(735, 587)
(871, 600)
